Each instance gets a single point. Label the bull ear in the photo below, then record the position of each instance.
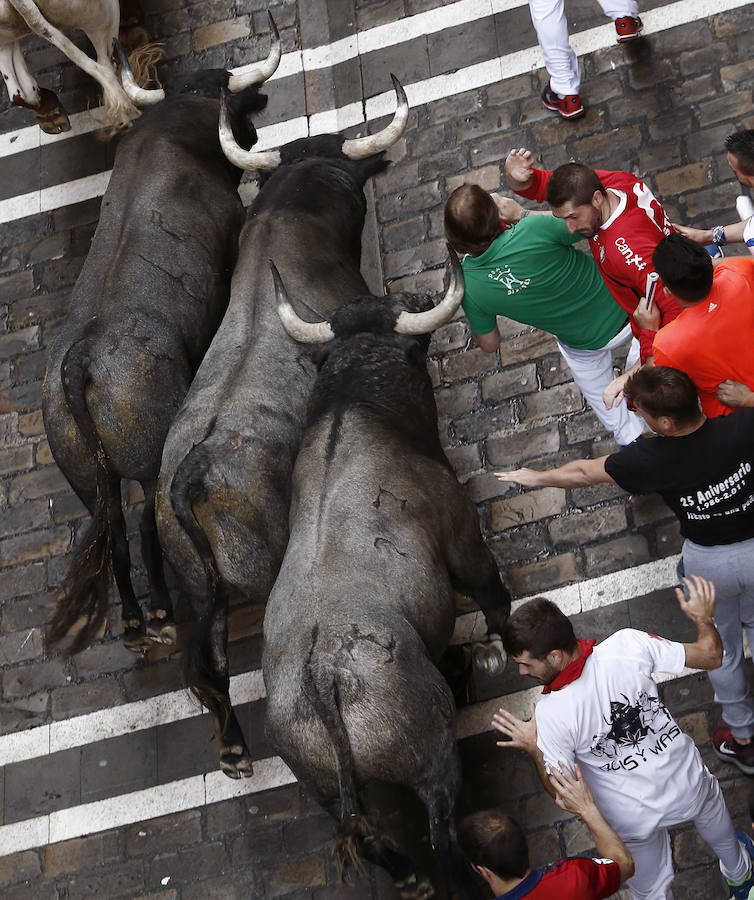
(320, 354)
(423, 322)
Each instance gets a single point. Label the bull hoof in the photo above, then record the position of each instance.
(160, 629)
(134, 637)
(414, 888)
(236, 765)
(489, 659)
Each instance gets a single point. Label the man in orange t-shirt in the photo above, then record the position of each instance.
(711, 340)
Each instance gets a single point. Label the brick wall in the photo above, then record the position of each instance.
(661, 110)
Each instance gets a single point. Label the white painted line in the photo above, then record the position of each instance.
(82, 188)
(22, 745)
(383, 36)
(24, 835)
(245, 688)
(334, 120)
(18, 207)
(428, 22)
(331, 54)
(161, 800)
(79, 731)
(271, 136)
(427, 91)
(140, 806)
(200, 790)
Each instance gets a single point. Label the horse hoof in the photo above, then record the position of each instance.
(489, 659)
(55, 125)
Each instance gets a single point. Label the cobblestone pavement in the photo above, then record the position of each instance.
(128, 804)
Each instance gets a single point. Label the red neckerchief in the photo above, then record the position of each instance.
(573, 670)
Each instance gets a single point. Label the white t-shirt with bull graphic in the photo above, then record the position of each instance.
(643, 770)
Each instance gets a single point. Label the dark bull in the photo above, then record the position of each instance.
(225, 483)
(363, 609)
(149, 298)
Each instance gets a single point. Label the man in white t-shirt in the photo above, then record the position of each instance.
(601, 709)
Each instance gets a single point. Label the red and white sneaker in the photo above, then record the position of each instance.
(728, 748)
(569, 107)
(628, 28)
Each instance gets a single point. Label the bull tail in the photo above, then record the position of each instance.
(87, 586)
(187, 487)
(202, 677)
(355, 831)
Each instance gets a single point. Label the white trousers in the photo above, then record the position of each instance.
(592, 371)
(654, 860)
(549, 20)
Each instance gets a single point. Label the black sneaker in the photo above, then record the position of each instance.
(728, 749)
(569, 107)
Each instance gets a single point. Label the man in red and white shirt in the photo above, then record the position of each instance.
(619, 216)
(495, 845)
(602, 710)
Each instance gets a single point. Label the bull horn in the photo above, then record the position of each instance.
(244, 159)
(264, 70)
(138, 95)
(424, 322)
(297, 328)
(360, 148)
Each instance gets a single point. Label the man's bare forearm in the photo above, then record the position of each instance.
(539, 762)
(579, 473)
(608, 843)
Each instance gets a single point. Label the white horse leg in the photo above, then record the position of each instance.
(22, 89)
(119, 110)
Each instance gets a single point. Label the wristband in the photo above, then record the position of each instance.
(525, 213)
(718, 235)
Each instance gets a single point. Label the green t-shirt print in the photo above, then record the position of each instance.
(531, 273)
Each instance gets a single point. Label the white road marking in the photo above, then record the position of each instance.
(269, 773)
(419, 93)
(117, 720)
(200, 790)
(178, 705)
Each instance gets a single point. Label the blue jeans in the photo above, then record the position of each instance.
(730, 567)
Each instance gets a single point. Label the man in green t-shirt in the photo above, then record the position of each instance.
(531, 273)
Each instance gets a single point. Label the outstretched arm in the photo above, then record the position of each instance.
(579, 473)
(523, 736)
(734, 233)
(511, 211)
(519, 169)
(707, 651)
(573, 795)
